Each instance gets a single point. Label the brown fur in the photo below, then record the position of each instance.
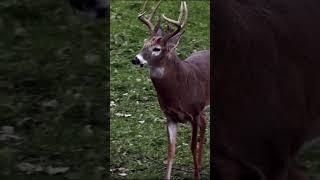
(176, 91)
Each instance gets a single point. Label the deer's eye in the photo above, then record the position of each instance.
(156, 49)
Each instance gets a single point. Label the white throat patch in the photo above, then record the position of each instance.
(157, 72)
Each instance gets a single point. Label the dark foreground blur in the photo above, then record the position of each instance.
(53, 92)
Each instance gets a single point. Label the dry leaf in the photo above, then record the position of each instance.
(56, 170)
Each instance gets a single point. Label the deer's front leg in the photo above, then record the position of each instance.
(172, 134)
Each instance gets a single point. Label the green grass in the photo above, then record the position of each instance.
(139, 141)
(53, 83)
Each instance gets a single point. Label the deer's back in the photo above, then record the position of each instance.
(199, 64)
(200, 58)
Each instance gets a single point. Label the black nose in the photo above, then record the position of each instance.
(135, 61)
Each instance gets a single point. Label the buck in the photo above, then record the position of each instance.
(183, 87)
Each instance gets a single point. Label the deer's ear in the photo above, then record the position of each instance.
(169, 28)
(173, 42)
(157, 29)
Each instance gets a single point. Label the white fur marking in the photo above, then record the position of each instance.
(141, 59)
(155, 53)
(172, 132)
(172, 129)
(157, 72)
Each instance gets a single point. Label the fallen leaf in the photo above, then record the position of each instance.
(4, 137)
(123, 174)
(56, 170)
(26, 167)
(7, 130)
(29, 168)
(121, 169)
(112, 103)
(52, 103)
(165, 162)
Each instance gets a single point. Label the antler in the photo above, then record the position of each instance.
(180, 24)
(142, 18)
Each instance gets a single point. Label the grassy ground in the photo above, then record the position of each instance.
(53, 92)
(138, 131)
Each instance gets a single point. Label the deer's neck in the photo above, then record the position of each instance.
(166, 78)
(171, 63)
(167, 81)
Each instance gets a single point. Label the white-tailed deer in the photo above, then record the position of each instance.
(183, 87)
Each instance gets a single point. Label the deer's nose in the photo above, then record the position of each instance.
(135, 60)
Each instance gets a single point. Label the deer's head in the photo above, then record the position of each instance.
(160, 44)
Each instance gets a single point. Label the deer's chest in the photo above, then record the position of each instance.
(173, 100)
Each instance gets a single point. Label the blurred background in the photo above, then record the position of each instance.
(54, 90)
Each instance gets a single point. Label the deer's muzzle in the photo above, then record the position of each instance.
(138, 60)
(135, 61)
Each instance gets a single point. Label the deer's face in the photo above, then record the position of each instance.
(151, 54)
(160, 44)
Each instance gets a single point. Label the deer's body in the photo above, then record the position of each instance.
(183, 90)
(182, 87)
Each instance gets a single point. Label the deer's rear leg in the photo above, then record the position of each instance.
(202, 125)
(194, 145)
(172, 134)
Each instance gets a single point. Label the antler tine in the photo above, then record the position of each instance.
(180, 23)
(142, 18)
(154, 10)
(144, 5)
(185, 14)
(181, 10)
